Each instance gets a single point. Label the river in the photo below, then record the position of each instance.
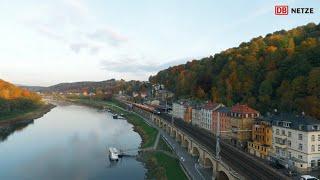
(70, 142)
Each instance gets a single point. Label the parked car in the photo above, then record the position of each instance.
(308, 177)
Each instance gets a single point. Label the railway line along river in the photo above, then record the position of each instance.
(70, 142)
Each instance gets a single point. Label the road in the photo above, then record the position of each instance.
(239, 161)
(194, 170)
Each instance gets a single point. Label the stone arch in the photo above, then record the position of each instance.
(222, 176)
(179, 138)
(174, 133)
(208, 164)
(168, 129)
(186, 143)
(195, 151)
(161, 124)
(164, 126)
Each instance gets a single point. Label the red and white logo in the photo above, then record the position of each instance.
(281, 10)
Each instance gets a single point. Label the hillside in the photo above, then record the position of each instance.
(90, 86)
(280, 70)
(80, 86)
(14, 99)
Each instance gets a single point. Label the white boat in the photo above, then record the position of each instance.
(113, 154)
(115, 116)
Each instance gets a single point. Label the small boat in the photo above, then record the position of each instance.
(115, 116)
(113, 154)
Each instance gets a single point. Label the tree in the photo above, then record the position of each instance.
(314, 82)
(200, 93)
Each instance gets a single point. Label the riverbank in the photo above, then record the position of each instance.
(30, 115)
(148, 134)
(160, 162)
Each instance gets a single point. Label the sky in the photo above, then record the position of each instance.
(45, 42)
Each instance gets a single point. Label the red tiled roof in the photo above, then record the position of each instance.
(243, 108)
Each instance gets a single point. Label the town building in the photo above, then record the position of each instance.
(261, 143)
(224, 113)
(196, 115)
(179, 109)
(241, 121)
(188, 114)
(206, 115)
(296, 141)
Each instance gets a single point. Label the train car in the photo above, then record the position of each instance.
(146, 108)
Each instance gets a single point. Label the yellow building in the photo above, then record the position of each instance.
(261, 143)
(241, 121)
(188, 114)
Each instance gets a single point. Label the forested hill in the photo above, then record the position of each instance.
(14, 99)
(280, 70)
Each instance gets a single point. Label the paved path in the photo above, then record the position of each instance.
(157, 141)
(194, 170)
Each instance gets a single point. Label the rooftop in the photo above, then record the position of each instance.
(212, 106)
(300, 122)
(224, 109)
(243, 109)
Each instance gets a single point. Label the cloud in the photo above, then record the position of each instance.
(109, 36)
(77, 47)
(78, 7)
(49, 32)
(134, 65)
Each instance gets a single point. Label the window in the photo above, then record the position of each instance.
(312, 148)
(318, 137)
(283, 132)
(313, 163)
(318, 147)
(289, 133)
(318, 162)
(300, 157)
(289, 154)
(277, 131)
(289, 143)
(300, 137)
(300, 146)
(312, 138)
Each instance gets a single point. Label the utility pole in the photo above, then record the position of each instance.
(217, 144)
(218, 137)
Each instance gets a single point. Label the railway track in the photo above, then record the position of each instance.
(238, 161)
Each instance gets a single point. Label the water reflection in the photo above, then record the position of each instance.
(70, 142)
(7, 129)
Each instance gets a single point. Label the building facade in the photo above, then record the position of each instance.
(261, 143)
(296, 141)
(241, 121)
(188, 114)
(196, 116)
(178, 109)
(224, 113)
(206, 115)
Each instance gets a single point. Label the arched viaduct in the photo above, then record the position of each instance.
(219, 170)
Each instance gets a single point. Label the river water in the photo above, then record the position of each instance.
(70, 142)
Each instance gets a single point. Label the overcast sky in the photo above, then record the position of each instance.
(44, 42)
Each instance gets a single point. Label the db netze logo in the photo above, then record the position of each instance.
(284, 10)
(281, 10)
